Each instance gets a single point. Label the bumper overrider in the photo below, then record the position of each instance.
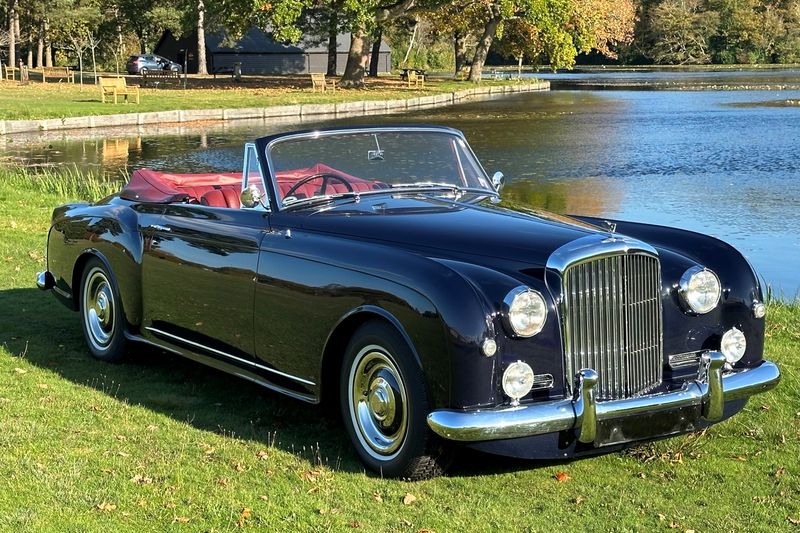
(582, 413)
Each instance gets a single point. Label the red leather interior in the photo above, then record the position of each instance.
(224, 197)
(222, 189)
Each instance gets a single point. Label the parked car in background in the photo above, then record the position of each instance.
(142, 63)
(378, 270)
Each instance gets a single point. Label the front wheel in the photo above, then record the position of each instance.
(101, 313)
(384, 405)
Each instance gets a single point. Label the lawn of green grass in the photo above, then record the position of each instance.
(52, 100)
(164, 443)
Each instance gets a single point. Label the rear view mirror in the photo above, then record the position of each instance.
(498, 181)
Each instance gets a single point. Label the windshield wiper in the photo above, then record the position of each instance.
(435, 185)
(314, 200)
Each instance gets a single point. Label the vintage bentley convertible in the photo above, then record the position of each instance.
(378, 270)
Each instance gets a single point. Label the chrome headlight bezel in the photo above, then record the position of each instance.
(517, 381)
(733, 345)
(684, 289)
(511, 305)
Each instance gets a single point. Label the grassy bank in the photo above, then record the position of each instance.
(163, 443)
(53, 100)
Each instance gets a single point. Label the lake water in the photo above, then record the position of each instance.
(718, 162)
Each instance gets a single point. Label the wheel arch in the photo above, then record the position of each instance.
(340, 335)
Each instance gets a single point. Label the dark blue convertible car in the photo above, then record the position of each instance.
(378, 270)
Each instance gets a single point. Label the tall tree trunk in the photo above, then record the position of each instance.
(201, 38)
(40, 52)
(375, 57)
(356, 60)
(482, 50)
(12, 36)
(460, 49)
(333, 41)
(29, 62)
(48, 49)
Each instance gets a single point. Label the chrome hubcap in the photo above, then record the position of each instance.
(98, 308)
(378, 403)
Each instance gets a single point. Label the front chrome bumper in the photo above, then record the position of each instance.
(582, 413)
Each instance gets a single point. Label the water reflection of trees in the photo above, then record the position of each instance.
(586, 196)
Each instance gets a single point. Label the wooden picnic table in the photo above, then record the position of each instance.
(418, 71)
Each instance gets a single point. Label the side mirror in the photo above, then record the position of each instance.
(498, 181)
(251, 197)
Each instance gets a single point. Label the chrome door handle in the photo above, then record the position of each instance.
(157, 227)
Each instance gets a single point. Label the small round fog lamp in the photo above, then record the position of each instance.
(733, 345)
(517, 381)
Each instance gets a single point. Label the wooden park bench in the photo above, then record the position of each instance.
(318, 81)
(159, 76)
(415, 79)
(60, 73)
(115, 87)
(9, 73)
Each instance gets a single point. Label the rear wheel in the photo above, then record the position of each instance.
(101, 313)
(384, 405)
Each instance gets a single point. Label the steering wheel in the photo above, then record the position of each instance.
(325, 179)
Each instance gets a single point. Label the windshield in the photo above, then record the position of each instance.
(349, 163)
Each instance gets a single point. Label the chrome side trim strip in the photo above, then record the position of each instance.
(229, 356)
(581, 413)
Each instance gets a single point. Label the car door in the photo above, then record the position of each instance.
(199, 270)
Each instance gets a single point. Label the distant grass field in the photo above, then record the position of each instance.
(166, 444)
(59, 100)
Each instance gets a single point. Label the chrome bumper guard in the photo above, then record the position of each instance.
(45, 280)
(582, 413)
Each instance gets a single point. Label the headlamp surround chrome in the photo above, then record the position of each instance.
(518, 302)
(699, 304)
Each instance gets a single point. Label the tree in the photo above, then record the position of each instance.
(201, 38)
(681, 30)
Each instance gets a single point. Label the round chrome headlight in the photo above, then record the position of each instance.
(733, 345)
(517, 380)
(525, 312)
(700, 290)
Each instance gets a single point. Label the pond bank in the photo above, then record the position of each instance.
(8, 127)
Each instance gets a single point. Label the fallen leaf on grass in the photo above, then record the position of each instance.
(310, 475)
(106, 506)
(409, 498)
(141, 480)
(222, 482)
(120, 437)
(354, 524)
(425, 531)
(43, 385)
(793, 521)
(661, 517)
(170, 505)
(243, 516)
(562, 477)
(239, 467)
(263, 455)
(779, 472)
(180, 519)
(142, 503)
(673, 525)
(578, 500)
(377, 497)
(151, 427)
(264, 497)
(20, 370)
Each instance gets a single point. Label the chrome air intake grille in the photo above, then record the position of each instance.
(612, 319)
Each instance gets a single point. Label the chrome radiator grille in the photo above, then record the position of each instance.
(612, 319)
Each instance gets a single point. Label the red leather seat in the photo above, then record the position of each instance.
(223, 197)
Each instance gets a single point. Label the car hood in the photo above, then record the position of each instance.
(452, 229)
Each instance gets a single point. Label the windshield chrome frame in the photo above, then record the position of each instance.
(366, 130)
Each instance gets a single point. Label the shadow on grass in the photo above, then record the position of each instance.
(33, 325)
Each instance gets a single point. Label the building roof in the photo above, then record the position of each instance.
(257, 41)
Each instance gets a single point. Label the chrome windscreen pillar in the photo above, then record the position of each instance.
(585, 405)
(711, 366)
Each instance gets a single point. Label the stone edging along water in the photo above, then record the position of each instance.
(300, 110)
